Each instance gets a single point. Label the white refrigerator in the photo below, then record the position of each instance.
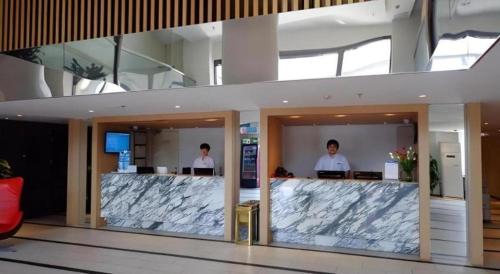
(451, 170)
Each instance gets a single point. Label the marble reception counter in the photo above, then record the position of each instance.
(378, 216)
(173, 203)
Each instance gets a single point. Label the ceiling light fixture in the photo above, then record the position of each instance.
(340, 115)
(19, 115)
(285, 101)
(211, 120)
(177, 106)
(91, 111)
(295, 116)
(6, 118)
(422, 96)
(390, 114)
(486, 123)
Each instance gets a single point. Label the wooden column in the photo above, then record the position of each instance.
(77, 172)
(232, 145)
(424, 183)
(264, 210)
(97, 157)
(474, 182)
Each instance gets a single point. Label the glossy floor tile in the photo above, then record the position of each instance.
(119, 252)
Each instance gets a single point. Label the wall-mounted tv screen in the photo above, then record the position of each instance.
(116, 142)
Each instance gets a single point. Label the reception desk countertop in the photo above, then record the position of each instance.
(378, 215)
(164, 202)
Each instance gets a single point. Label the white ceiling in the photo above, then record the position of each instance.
(480, 84)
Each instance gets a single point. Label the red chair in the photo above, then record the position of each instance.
(11, 216)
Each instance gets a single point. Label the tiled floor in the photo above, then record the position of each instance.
(48, 249)
(448, 231)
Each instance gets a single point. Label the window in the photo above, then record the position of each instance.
(321, 66)
(366, 58)
(460, 51)
(218, 72)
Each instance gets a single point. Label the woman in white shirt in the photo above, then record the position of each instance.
(204, 161)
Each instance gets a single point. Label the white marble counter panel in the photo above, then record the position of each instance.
(379, 215)
(173, 203)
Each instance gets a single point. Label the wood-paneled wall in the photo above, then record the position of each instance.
(31, 23)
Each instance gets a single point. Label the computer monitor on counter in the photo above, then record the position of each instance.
(330, 174)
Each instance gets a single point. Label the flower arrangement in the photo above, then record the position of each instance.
(407, 159)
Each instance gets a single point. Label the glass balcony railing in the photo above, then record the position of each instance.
(93, 67)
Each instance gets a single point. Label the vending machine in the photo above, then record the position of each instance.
(248, 167)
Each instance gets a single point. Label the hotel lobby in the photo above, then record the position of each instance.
(180, 136)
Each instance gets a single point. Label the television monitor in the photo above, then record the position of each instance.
(186, 170)
(116, 142)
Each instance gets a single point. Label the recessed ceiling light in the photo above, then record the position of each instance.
(177, 106)
(390, 114)
(295, 116)
(19, 115)
(340, 115)
(285, 101)
(211, 120)
(422, 96)
(91, 111)
(486, 123)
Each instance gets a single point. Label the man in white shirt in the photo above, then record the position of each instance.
(333, 161)
(204, 161)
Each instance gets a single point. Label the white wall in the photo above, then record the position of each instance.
(178, 148)
(165, 149)
(366, 147)
(198, 61)
(250, 50)
(147, 44)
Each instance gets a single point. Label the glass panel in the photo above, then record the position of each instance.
(460, 53)
(369, 59)
(447, 180)
(366, 38)
(321, 66)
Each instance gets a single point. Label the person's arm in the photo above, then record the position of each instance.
(317, 167)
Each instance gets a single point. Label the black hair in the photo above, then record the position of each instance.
(332, 142)
(205, 146)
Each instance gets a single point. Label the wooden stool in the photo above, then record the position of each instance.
(247, 213)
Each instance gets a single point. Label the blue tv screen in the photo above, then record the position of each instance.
(117, 142)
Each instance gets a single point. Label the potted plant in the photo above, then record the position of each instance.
(5, 169)
(407, 159)
(434, 173)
